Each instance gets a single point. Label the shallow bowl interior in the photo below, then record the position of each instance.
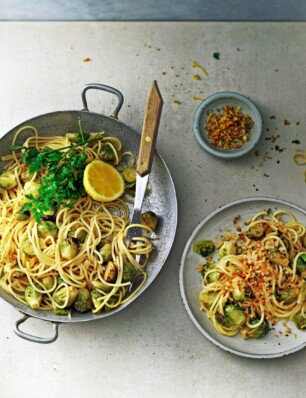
(214, 103)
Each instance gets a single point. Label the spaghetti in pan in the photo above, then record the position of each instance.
(60, 248)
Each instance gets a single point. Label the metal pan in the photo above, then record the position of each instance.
(162, 199)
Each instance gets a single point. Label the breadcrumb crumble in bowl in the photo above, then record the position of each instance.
(228, 125)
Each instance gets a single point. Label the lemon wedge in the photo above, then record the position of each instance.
(102, 181)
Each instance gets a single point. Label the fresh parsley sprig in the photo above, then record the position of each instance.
(62, 175)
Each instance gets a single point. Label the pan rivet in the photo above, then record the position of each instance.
(77, 116)
(148, 139)
(118, 127)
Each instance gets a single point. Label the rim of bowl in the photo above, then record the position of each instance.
(223, 153)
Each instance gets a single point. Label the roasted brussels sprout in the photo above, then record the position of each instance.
(48, 281)
(101, 285)
(239, 288)
(207, 298)
(111, 303)
(300, 320)
(77, 233)
(286, 243)
(59, 280)
(256, 232)
(301, 264)
(278, 258)
(257, 332)
(83, 302)
(107, 154)
(8, 180)
(204, 247)
(49, 215)
(213, 276)
(33, 297)
(233, 316)
(76, 138)
(110, 272)
(64, 293)
(288, 296)
(96, 298)
(19, 213)
(69, 248)
(209, 269)
(106, 252)
(27, 247)
(32, 188)
(129, 272)
(47, 228)
(129, 174)
(81, 236)
(60, 311)
(149, 218)
(26, 175)
(226, 249)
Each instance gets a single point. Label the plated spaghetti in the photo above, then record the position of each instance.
(258, 277)
(59, 249)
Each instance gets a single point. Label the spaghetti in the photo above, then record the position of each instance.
(75, 256)
(259, 276)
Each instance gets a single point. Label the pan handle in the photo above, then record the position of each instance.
(103, 87)
(35, 339)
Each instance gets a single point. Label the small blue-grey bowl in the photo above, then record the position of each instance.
(215, 103)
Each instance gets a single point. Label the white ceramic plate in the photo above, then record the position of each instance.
(277, 342)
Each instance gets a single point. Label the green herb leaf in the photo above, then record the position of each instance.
(217, 56)
(16, 147)
(62, 175)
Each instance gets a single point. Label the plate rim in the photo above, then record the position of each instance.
(181, 276)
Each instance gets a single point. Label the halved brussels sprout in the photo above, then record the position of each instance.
(33, 297)
(61, 295)
(255, 333)
(8, 180)
(106, 252)
(69, 248)
(129, 174)
(256, 232)
(83, 302)
(107, 154)
(204, 247)
(32, 188)
(288, 296)
(76, 138)
(47, 228)
(233, 316)
(149, 218)
(27, 247)
(278, 258)
(129, 272)
(226, 249)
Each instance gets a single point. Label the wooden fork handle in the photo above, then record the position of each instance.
(149, 130)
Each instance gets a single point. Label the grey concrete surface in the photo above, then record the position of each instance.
(152, 349)
(133, 10)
